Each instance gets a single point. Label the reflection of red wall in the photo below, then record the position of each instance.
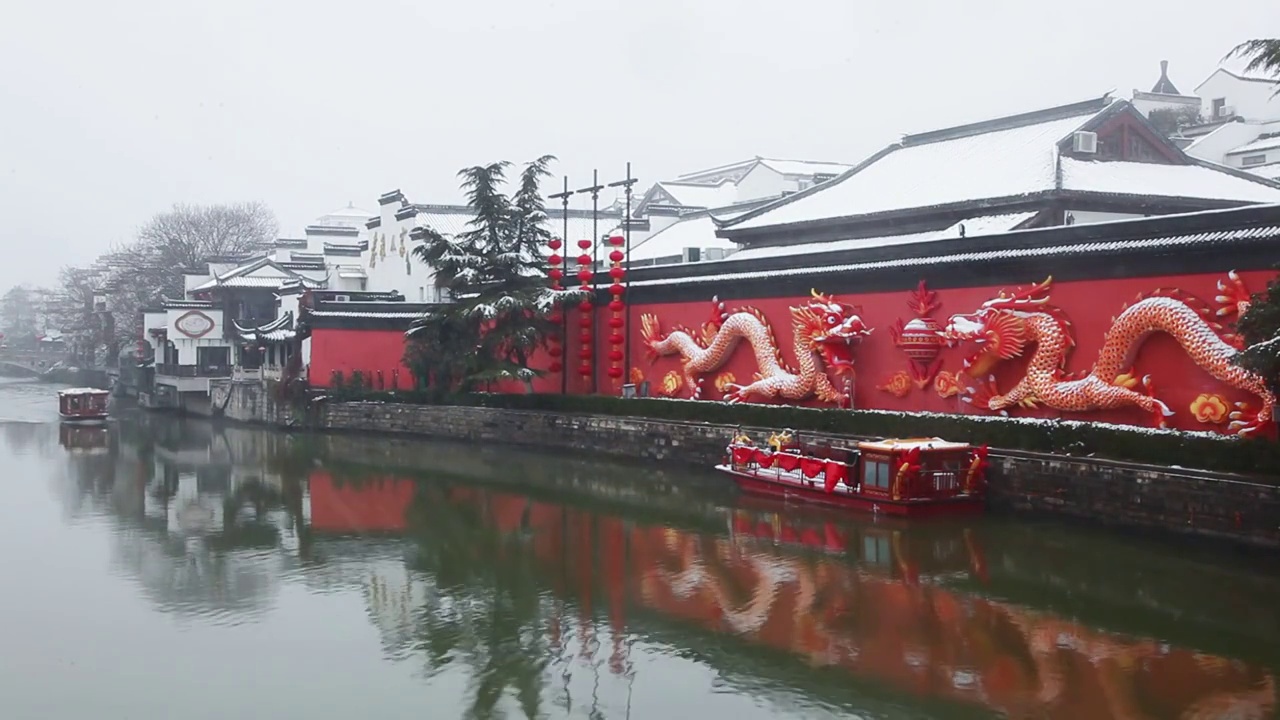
(1090, 306)
(348, 350)
(376, 506)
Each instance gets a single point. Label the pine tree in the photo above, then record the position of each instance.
(1260, 327)
(1263, 56)
(494, 273)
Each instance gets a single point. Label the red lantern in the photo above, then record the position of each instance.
(555, 243)
(616, 240)
(616, 306)
(584, 244)
(584, 275)
(585, 306)
(584, 321)
(616, 339)
(585, 354)
(616, 272)
(615, 372)
(555, 274)
(586, 337)
(616, 289)
(615, 355)
(615, 322)
(616, 256)
(555, 259)
(585, 371)
(555, 366)
(555, 351)
(584, 259)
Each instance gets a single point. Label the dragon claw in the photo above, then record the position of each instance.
(1245, 421)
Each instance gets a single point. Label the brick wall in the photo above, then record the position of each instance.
(1112, 493)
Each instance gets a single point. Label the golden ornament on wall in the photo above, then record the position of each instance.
(637, 375)
(1210, 409)
(946, 384)
(724, 380)
(670, 384)
(898, 384)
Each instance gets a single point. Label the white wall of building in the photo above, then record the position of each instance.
(388, 262)
(1251, 100)
(187, 346)
(763, 181)
(1215, 146)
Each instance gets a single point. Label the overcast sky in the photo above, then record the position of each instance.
(111, 112)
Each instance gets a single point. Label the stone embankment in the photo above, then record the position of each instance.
(1120, 494)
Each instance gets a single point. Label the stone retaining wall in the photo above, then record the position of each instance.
(1113, 493)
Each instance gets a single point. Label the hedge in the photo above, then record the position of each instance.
(1170, 448)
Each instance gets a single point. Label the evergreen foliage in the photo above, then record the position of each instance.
(494, 273)
(1260, 328)
(1263, 57)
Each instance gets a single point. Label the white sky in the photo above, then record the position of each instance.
(111, 112)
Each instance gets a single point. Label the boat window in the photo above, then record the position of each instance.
(875, 474)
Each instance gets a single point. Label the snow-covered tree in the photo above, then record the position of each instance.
(495, 273)
(1260, 327)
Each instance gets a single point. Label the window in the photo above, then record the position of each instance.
(875, 475)
(1219, 105)
(422, 294)
(1260, 159)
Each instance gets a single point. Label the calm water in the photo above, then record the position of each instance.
(167, 569)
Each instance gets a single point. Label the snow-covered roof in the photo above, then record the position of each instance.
(1004, 158)
(1270, 172)
(976, 257)
(1192, 181)
(452, 220)
(985, 225)
(691, 232)
(364, 314)
(1270, 143)
(805, 167)
(701, 195)
(260, 273)
(351, 272)
(1001, 163)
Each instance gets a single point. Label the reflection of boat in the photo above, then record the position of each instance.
(83, 405)
(916, 477)
(81, 438)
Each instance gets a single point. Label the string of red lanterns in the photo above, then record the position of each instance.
(556, 274)
(616, 323)
(585, 321)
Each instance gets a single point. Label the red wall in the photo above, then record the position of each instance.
(1089, 305)
(377, 506)
(365, 350)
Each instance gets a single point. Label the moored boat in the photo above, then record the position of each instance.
(83, 405)
(915, 477)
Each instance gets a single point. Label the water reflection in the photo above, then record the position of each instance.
(555, 585)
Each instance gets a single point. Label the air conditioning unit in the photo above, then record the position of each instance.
(1085, 142)
(1226, 111)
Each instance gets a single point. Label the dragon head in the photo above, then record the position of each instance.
(998, 330)
(830, 329)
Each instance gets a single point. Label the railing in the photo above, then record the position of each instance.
(214, 371)
(272, 372)
(243, 373)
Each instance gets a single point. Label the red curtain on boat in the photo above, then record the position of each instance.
(787, 461)
(764, 458)
(836, 472)
(742, 455)
(812, 466)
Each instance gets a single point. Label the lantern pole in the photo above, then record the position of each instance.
(595, 189)
(626, 231)
(563, 197)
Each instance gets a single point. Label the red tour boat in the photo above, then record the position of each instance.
(83, 405)
(915, 477)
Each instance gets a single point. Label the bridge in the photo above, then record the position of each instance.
(19, 363)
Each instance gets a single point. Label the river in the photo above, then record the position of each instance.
(168, 568)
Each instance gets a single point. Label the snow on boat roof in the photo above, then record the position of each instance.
(83, 391)
(891, 444)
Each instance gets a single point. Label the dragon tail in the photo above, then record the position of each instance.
(1201, 308)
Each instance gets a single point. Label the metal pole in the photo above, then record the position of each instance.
(564, 310)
